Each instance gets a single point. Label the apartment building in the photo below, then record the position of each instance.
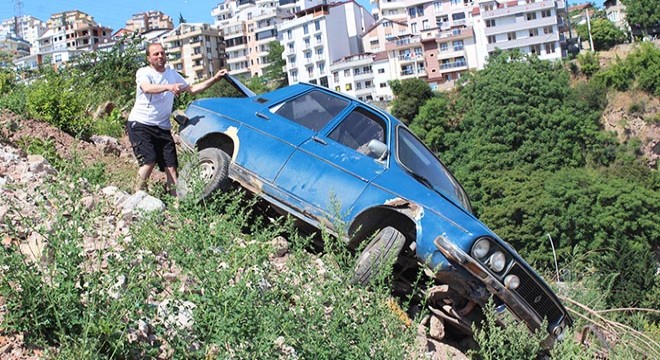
(533, 27)
(391, 9)
(27, 27)
(148, 21)
(248, 26)
(319, 36)
(195, 49)
(354, 75)
(381, 32)
(73, 30)
(16, 46)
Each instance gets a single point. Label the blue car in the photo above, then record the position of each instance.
(329, 159)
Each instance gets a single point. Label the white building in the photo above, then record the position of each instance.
(26, 27)
(319, 36)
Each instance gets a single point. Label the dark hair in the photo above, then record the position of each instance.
(152, 44)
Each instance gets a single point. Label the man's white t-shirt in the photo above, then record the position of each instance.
(155, 109)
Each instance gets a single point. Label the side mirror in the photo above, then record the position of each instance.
(377, 149)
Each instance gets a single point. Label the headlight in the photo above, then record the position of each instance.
(481, 248)
(511, 282)
(497, 261)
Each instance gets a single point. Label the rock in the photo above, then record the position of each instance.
(281, 246)
(141, 203)
(108, 145)
(176, 314)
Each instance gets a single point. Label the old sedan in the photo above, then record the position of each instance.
(329, 159)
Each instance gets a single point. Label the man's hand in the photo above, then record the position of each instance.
(176, 89)
(219, 74)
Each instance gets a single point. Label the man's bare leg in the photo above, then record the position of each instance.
(170, 173)
(143, 175)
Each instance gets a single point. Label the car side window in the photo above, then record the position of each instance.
(357, 129)
(312, 110)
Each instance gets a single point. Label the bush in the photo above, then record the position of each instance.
(55, 99)
(589, 64)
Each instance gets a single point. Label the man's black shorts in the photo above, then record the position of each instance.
(152, 144)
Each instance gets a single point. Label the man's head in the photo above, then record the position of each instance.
(156, 57)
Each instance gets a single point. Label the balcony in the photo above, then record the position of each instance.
(522, 42)
(454, 65)
(521, 25)
(450, 53)
(456, 34)
(515, 9)
(410, 57)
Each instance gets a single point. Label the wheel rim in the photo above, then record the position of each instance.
(207, 169)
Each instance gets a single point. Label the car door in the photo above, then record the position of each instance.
(329, 171)
(269, 136)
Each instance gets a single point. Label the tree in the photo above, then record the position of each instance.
(433, 121)
(642, 13)
(274, 71)
(603, 32)
(409, 94)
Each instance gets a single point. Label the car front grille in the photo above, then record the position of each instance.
(536, 296)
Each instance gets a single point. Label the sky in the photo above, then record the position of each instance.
(114, 13)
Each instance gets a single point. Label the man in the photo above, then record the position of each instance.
(149, 127)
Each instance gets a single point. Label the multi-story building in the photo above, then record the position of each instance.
(150, 20)
(16, 46)
(381, 32)
(532, 26)
(248, 26)
(616, 13)
(73, 30)
(318, 36)
(391, 9)
(26, 27)
(354, 75)
(195, 49)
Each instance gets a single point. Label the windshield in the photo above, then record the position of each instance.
(427, 169)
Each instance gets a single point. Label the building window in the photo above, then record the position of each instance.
(550, 48)
(348, 87)
(288, 34)
(347, 72)
(533, 32)
(531, 16)
(310, 71)
(425, 24)
(511, 36)
(337, 88)
(444, 46)
(535, 49)
(413, 28)
(458, 45)
(490, 22)
(491, 39)
(387, 24)
(305, 29)
(548, 30)
(335, 76)
(381, 71)
(317, 25)
(546, 13)
(383, 85)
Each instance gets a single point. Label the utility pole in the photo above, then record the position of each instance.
(591, 40)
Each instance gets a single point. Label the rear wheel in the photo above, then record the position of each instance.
(211, 171)
(382, 250)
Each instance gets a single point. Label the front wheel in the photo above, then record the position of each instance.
(211, 172)
(382, 250)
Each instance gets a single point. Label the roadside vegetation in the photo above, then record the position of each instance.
(524, 138)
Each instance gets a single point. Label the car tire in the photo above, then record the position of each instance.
(213, 170)
(387, 243)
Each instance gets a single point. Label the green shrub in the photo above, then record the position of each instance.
(589, 63)
(618, 76)
(15, 100)
(511, 341)
(112, 125)
(56, 100)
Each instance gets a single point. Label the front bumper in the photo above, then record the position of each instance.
(530, 303)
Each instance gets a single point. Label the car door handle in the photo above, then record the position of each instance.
(262, 115)
(319, 140)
